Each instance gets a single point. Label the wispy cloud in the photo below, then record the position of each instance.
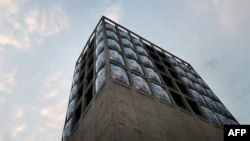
(232, 13)
(22, 28)
(18, 129)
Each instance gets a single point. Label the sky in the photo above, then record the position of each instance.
(40, 41)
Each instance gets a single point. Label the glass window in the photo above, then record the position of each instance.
(184, 67)
(77, 68)
(202, 82)
(99, 61)
(119, 74)
(130, 52)
(211, 94)
(113, 44)
(223, 109)
(233, 122)
(99, 38)
(194, 73)
(146, 61)
(71, 108)
(173, 62)
(115, 56)
(197, 97)
(179, 70)
(187, 82)
(222, 119)
(210, 115)
(211, 103)
(75, 78)
(152, 74)
(99, 29)
(112, 35)
(127, 43)
(67, 130)
(124, 35)
(141, 50)
(134, 65)
(140, 83)
(110, 27)
(73, 92)
(100, 79)
(191, 77)
(160, 93)
(200, 89)
(99, 48)
(137, 42)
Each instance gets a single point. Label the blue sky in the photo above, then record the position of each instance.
(40, 42)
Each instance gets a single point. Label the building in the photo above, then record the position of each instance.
(126, 88)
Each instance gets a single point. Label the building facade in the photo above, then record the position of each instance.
(126, 88)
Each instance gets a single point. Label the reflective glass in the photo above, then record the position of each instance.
(211, 94)
(110, 27)
(115, 56)
(73, 92)
(173, 62)
(99, 30)
(76, 78)
(67, 130)
(184, 67)
(233, 122)
(137, 42)
(161, 93)
(140, 83)
(197, 97)
(210, 115)
(99, 38)
(202, 82)
(119, 74)
(146, 61)
(71, 108)
(223, 109)
(113, 44)
(130, 52)
(99, 61)
(200, 89)
(194, 73)
(127, 43)
(211, 103)
(124, 35)
(152, 74)
(112, 35)
(134, 65)
(191, 77)
(187, 82)
(77, 68)
(179, 71)
(141, 50)
(99, 48)
(100, 79)
(222, 119)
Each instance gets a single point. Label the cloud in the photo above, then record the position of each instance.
(18, 129)
(19, 112)
(24, 27)
(232, 13)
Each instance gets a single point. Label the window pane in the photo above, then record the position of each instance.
(77, 68)
(127, 43)
(161, 93)
(191, 77)
(222, 119)
(133, 65)
(179, 71)
(71, 108)
(99, 48)
(223, 109)
(194, 72)
(67, 130)
(211, 103)
(152, 74)
(200, 89)
(209, 114)
(197, 97)
(211, 94)
(76, 78)
(100, 59)
(100, 79)
(140, 83)
(99, 30)
(110, 27)
(233, 122)
(184, 67)
(141, 50)
(99, 38)
(113, 44)
(137, 42)
(130, 52)
(124, 35)
(146, 61)
(119, 74)
(73, 92)
(201, 82)
(115, 56)
(173, 62)
(112, 35)
(187, 82)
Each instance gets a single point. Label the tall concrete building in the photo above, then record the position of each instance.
(126, 88)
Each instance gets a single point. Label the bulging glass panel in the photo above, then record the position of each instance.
(233, 122)
(71, 108)
(210, 115)
(184, 67)
(99, 38)
(73, 92)
(99, 30)
(211, 94)
(137, 42)
(152, 74)
(194, 73)
(99, 61)
(201, 82)
(140, 83)
(200, 89)
(77, 68)
(119, 74)
(113, 44)
(100, 79)
(161, 93)
(197, 97)
(179, 71)
(124, 35)
(191, 77)
(211, 103)
(99, 48)
(222, 119)
(173, 62)
(115, 56)
(223, 109)
(67, 130)
(141, 50)
(146, 61)
(110, 27)
(134, 65)
(76, 78)
(112, 35)
(129, 52)
(187, 82)
(127, 43)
